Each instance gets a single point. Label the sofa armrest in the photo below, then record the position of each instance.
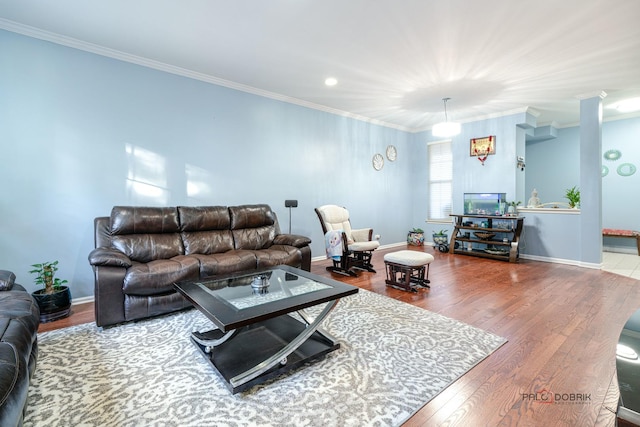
(7, 279)
(362, 235)
(292, 240)
(109, 257)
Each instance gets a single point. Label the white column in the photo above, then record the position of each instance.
(591, 179)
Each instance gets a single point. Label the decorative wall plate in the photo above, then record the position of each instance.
(605, 170)
(392, 153)
(626, 169)
(612, 155)
(377, 161)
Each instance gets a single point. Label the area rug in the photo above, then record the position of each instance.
(393, 359)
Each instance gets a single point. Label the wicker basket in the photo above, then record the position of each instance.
(483, 235)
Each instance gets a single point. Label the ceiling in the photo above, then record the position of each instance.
(394, 59)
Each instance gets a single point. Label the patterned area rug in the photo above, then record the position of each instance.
(393, 359)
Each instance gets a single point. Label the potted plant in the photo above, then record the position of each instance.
(511, 210)
(54, 299)
(416, 237)
(440, 237)
(573, 196)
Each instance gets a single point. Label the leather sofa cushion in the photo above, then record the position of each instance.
(137, 220)
(278, 255)
(18, 335)
(207, 242)
(20, 307)
(7, 278)
(205, 229)
(146, 233)
(19, 320)
(204, 218)
(141, 306)
(110, 257)
(226, 263)
(157, 277)
(254, 238)
(292, 240)
(149, 247)
(14, 385)
(251, 216)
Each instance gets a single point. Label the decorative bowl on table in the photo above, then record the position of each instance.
(484, 235)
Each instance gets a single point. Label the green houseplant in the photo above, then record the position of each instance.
(511, 210)
(440, 237)
(54, 299)
(573, 196)
(415, 237)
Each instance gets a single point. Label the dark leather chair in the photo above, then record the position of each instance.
(19, 321)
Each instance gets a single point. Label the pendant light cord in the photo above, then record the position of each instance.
(446, 118)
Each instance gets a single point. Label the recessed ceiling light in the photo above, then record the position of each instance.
(331, 81)
(627, 105)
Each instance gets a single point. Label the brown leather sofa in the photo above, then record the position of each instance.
(142, 251)
(19, 321)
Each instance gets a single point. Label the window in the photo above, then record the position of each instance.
(440, 180)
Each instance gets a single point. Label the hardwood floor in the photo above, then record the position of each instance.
(562, 323)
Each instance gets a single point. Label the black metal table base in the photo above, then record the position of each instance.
(251, 347)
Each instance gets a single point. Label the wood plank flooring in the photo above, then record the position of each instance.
(562, 323)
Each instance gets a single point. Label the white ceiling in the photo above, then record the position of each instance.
(394, 59)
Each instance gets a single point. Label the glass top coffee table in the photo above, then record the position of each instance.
(255, 338)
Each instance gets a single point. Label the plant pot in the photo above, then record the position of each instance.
(415, 239)
(440, 239)
(53, 306)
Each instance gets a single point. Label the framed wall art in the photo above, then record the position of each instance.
(482, 146)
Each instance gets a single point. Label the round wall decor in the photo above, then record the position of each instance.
(626, 169)
(392, 153)
(612, 155)
(377, 161)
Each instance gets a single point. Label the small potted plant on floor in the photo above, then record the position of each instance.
(573, 196)
(416, 237)
(440, 237)
(54, 299)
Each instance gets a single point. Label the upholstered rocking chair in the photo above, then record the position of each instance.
(348, 248)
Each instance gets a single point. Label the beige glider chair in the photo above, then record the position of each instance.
(354, 250)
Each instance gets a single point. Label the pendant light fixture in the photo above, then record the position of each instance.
(446, 128)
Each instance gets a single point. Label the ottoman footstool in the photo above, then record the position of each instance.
(408, 269)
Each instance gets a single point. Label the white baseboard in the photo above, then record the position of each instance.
(82, 300)
(563, 261)
(632, 250)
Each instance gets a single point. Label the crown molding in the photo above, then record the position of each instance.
(48, 36)
(595, 94)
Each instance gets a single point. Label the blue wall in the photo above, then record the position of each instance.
(553, 166)
(81, 133)
(498, 175)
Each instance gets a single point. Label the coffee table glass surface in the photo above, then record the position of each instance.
(234, 301)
